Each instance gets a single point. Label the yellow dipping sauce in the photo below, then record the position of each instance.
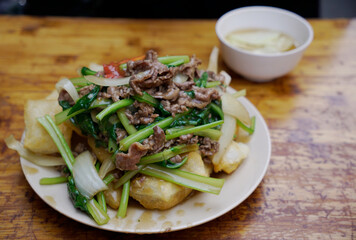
(261, 40)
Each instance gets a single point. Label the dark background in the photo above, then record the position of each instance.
(171, 9)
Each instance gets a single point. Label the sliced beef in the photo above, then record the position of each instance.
(150, 73)
(189, 68)
(206, 94)
(144, 114)
(155, 142)
(186, 86)
(173, 107)
(212, 76)
(128, 161)
(208, 147)
(85, 90)
(117, 93)
(167, 92)
(64, 96)
(120, 134)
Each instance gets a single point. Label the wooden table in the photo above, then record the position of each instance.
(309, 189)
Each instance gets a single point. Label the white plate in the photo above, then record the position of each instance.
(196, 210)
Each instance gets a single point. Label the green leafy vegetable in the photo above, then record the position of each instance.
(86, 71)
(85, 101)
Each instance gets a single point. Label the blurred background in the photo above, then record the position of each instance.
(171, 9)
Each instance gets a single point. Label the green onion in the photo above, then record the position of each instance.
(145, 132)
(108, 179)
(124, 200)
(114, 107)
(213, 84)
(130, 129)
(63, 116)
(169, 164)
(176, 63)
(102, 201)
(213, 134)
(250, 129)
(146, 98)
(240, 93)
(186, 179)
(215, 108)
(165, 60)
(171, 59)
(86, 71)
(58, 139)
(96, 211)
(194, 129)
(53, 180)
(127, 176)
(80, 81)
(169, 153)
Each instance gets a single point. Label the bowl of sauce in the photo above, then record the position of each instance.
(262, 43)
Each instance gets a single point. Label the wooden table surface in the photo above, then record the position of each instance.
(309, 189)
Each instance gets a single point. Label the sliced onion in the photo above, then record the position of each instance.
(227, 77)
(107, 82)
(38, 159)
(180, 78)
(106, 166)
(227, 133)
(93, 114)
(233, 107)
(67, 85)
(86, 177)
(96, 67)
(213, 60)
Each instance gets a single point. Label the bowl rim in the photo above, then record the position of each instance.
(298, 49)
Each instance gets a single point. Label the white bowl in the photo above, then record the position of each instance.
(262, 67)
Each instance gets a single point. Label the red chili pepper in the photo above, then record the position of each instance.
(113, 70)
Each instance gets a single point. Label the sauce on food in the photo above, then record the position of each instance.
(261, 40)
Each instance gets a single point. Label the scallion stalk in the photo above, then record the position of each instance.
(215, 108)
(194, 129)
(102, 201)
(96, 211)
(80, 81)
(250, 129)
(130, 129)
(186, 179)
(125, 194)
(53, 180)
(58, 139)
(169, 153)
(63, 116)
(127, 176)
(213, 84)
(240, 93)
(114, 107)
(145, 132)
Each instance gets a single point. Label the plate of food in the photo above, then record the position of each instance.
(144, 145)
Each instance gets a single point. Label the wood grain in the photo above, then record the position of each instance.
(309, 191)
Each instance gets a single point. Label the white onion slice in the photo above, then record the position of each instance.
(227, 133)
(180, 78)
(213, 60)
(67, 85)
(86, 177)
(227, 77)
(38, 159)
(106, 167)
(233, 107)
(107, 82)
(96, 67)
